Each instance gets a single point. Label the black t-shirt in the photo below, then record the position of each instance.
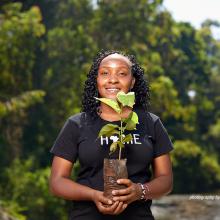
(78, 140)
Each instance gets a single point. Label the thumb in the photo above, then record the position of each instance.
(126, 182)
(105, 200)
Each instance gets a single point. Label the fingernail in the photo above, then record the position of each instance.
(109, 202)
(113, 192)
(118, 181)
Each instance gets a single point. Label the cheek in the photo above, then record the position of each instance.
(127, 83)
(100, 84)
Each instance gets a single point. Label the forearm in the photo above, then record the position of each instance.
(70, 190)
(159, 186)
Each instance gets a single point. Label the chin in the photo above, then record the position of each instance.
(111, 96)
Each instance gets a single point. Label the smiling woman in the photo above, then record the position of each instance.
(112, 72)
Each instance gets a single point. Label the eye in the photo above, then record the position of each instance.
(104, 73)
(122, 73)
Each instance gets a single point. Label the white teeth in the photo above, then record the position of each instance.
(113, 90)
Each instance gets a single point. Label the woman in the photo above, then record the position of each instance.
(110, 73)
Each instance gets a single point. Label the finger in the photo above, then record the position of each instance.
(124, 206)
(121, 192)
(107, 209)
(114, 206)
(124, 199)
(126, 182)
(105, 200)
(119, 208)
(111, 209)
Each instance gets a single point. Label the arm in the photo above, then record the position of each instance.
(61, 185)
(160, 185)
(162, 182)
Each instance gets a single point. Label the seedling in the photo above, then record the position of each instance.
(128, 123)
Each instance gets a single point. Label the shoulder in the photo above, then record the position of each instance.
(149, 116)
(77, 117)
(155, 121)
(154, 118)
(80, 119)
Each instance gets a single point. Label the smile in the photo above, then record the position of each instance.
(113, 90)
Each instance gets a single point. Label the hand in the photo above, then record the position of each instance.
(107, 206)
(130, 194)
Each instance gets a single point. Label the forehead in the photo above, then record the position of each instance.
(114, 60)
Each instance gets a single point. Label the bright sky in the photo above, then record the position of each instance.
(195, 11)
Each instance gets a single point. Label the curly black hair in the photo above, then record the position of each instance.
(141, 88)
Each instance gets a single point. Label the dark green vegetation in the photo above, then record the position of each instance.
(45, 54)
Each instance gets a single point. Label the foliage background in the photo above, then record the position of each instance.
(46, 49)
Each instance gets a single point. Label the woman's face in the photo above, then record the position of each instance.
(114, 75)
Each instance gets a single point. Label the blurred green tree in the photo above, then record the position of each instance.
(27, 192)
(19, 32)
(194, 166)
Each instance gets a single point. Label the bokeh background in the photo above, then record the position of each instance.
(46, 50)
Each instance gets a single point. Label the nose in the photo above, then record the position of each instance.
(113, 78)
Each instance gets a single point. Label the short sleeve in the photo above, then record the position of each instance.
(163, 143)
(65, 145)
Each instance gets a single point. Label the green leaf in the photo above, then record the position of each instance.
(110, 102)
(110, 133)
(108, 130)
(127, 138)
(134, 118)
(121, 145)
(126, 99)
(113, 147)
(125, 120)
(132, 121)
(130, 126)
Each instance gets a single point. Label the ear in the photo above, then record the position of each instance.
(132, 83)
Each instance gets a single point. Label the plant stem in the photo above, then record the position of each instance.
(120, 139)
